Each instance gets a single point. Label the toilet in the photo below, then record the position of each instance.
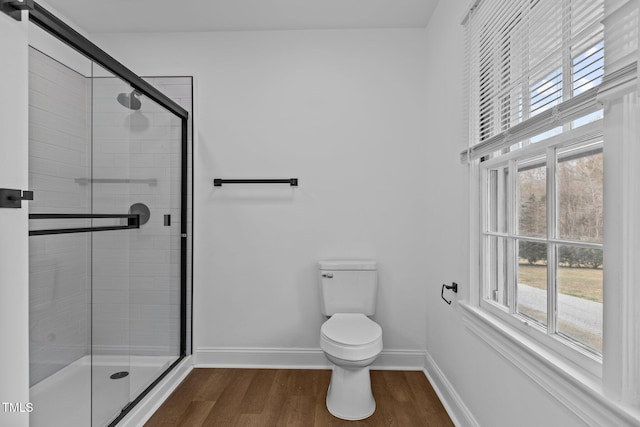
(350, 340)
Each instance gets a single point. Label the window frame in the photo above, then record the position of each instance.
(600, 393)
(570, 349)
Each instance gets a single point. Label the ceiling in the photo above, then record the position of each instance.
(116, 16)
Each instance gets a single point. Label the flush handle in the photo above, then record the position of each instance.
(327, 275)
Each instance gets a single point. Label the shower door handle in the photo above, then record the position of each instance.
(133, 221)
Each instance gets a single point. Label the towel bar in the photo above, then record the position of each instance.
(217, 182)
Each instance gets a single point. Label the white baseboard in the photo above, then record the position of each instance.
(141, 413)
(255, 357)
(400, 360)
(296, 358)
(451, 400)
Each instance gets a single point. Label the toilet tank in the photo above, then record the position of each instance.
(348, 286)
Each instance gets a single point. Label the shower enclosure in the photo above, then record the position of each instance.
(109, 232)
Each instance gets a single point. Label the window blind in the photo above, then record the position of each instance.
(534, 65)
(621, 34)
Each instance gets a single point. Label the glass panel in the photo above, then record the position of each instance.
(588, 69)
(531, 290)
(580, 192)
(547, 92)
(497, 272)
(136, 306)
(497, 181)
(180, 89)
(59, 265)
(580, 294)
(597, 115)
(112, 253)
(155, 248)
(546, 135)
(532, 198)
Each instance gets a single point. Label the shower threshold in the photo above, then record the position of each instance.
(66, 395)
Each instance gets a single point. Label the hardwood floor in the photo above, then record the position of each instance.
(282, 397)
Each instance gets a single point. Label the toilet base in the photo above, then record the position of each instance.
(349, 396)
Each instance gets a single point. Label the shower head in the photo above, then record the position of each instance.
(130, 100)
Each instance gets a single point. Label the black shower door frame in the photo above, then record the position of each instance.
(57, 28)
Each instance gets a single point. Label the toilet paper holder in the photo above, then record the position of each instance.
(453, 287)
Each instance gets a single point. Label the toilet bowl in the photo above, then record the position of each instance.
(352, 342)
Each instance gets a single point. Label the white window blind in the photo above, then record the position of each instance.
(621, 34)
(534, 65)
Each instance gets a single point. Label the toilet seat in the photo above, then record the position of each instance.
(351, 336)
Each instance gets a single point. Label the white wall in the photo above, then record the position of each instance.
(344, 111)
(14, 308)
(372, 122)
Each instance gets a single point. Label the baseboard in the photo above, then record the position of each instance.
(152, 401)
(451, 400)
(400, 360)
(296, 358)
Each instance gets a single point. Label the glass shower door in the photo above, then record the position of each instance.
(59, 263)
(111, 253)
(106, 245)
(136, 273)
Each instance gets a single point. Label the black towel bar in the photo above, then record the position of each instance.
(217, 182)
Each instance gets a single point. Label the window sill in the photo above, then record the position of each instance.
(562, 351)
(577, 390)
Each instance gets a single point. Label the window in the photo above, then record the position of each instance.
(542, 229)
(554, 119)
(542, 234)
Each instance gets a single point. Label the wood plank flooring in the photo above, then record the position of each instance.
(284, 397)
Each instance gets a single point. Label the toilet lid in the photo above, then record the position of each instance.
(351, 329)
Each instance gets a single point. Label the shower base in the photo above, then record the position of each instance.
(64, 398)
